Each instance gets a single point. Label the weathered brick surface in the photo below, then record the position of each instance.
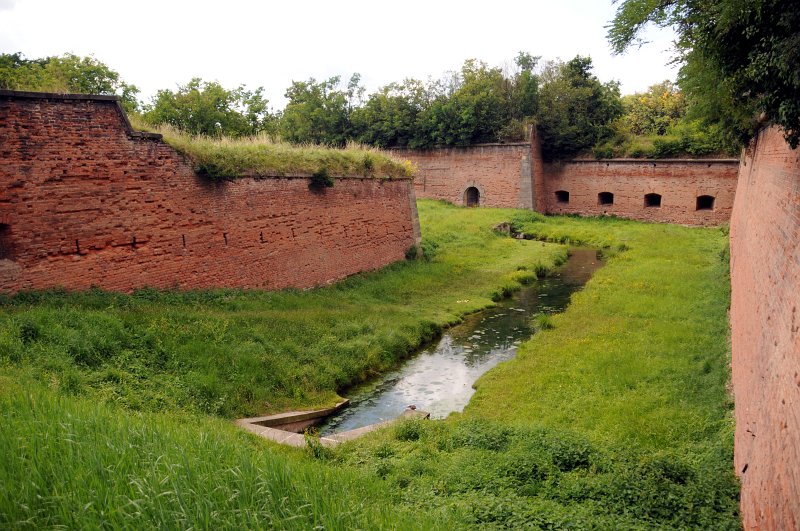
(679, 182)
(765, 332)
(514, 175)
(501, 172)
(84, 202)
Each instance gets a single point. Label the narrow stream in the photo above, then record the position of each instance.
(439, 378)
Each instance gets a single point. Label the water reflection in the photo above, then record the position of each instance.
(439, 379)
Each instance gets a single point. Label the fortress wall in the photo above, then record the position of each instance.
(501, 172)
(85, 201)
(514, 175)
(679, 182)
(765, 332)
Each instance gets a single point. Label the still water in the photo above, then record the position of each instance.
(438, 379)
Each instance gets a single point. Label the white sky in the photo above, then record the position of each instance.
(160, 44)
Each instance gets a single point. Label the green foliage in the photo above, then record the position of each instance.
(408, 429)
(576, 109)
(207, 108)
(389, 117)
(739, 57)
(616, 418)
(474, 105)
(474, 112)
(526, 476)
(320, 112)
(654, 111)
(619, 416)
(542, 321)
(70, 463)
(320, 179)
(685, 138)
(65, 73)
(225, 158)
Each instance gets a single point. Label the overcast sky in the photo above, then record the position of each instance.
(160, 44)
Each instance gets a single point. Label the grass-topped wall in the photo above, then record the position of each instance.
(261, 156)
(91, 202)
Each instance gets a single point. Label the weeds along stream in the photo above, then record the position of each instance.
(438, 378)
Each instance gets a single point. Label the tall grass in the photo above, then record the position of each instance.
(641, 355)
(263, 156)
(76, 465)
(241, 353)
(616, 416)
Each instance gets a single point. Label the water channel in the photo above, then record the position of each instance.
(438, 379)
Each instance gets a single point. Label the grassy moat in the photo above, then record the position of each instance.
(115, 408)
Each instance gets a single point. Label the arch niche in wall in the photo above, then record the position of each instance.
(472, 195)
(652, 200)
(705, 202)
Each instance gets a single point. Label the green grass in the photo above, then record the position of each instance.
(640, 357)
(72, 464)
(615, 415)
(241, 353)
(262, 156)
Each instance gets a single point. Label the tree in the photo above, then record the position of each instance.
(66, 73)
(576, 110)
(389, 118)
(477, 109)
(739, 57)
(207, 108)
(524, 87)
(320, 112)
(655, 111)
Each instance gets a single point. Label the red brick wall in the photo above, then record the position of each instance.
(513, 175)
(765, 330)
(84, 201)
(501, 172)
(679, 182)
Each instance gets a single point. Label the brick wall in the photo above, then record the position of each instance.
(514, 175)
(678, 182)
(500, 172)
(765, 329)
(84, 201)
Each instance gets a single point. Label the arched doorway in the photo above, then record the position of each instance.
(472, 197)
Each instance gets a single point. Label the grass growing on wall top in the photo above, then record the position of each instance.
(260, 156)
